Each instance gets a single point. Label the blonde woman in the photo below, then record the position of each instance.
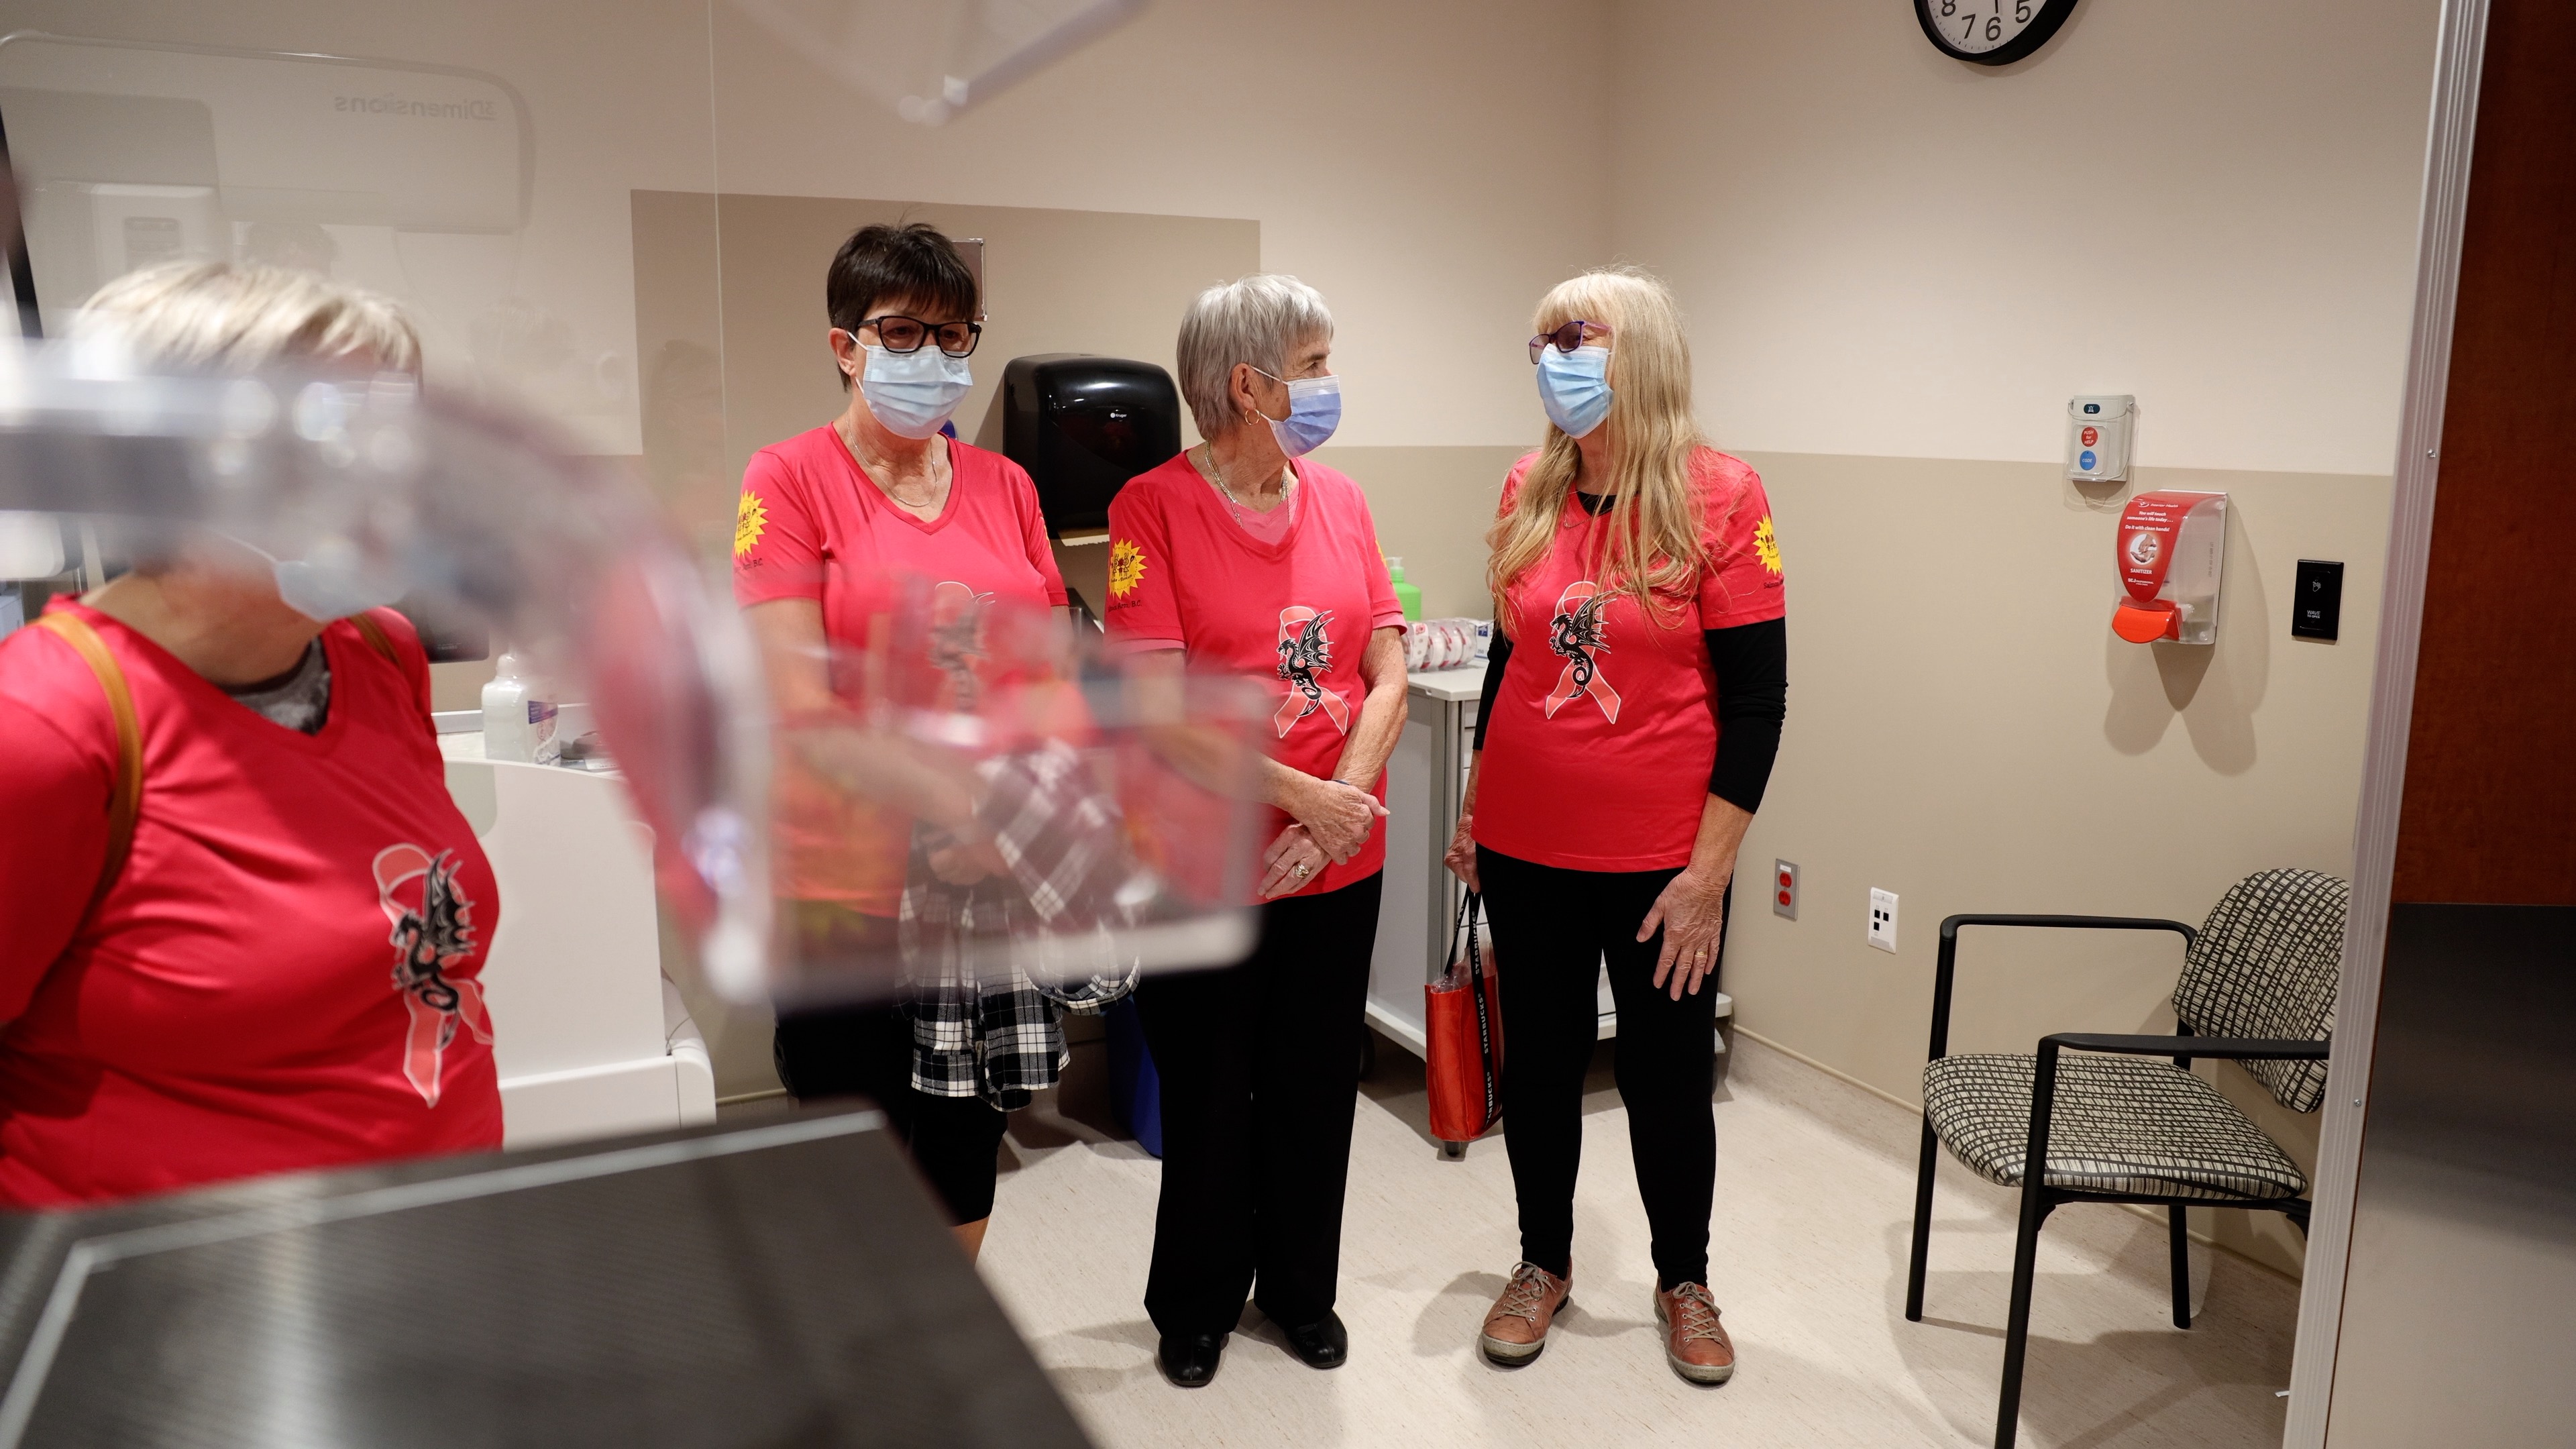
(1631, 712)
(197, 979)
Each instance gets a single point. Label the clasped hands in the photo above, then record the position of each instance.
(1330, 824)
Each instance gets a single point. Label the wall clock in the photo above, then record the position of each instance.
(1990, 32)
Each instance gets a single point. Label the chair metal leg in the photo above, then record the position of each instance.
(1922, 1224)
(2034, 1211)
(2180, 1233)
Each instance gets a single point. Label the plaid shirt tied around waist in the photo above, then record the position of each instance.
(995, 964)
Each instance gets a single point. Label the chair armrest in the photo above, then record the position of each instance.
(1946, 966)
(2231, 1048)
(1950, 924)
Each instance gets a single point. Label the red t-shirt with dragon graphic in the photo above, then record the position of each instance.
(1295, 611)
(285, 974)
(810, 525)
(1603, 733)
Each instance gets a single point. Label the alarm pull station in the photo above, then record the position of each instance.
(2316, 606)
(2097, 438)
(2169, 549)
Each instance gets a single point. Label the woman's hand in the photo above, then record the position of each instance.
(1692, 912)
(1292, 861)
(964, 863)
(1461, 855)
(1338, 817)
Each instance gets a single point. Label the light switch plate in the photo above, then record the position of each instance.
(1784, 888)
(1882, 919)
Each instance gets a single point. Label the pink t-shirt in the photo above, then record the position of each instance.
(1296, 612)
(286, 973)
(810, 525)
(1602, 736)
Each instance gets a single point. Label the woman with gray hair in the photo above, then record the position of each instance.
(1243, 555)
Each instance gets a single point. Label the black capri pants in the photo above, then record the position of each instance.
(866, 1051)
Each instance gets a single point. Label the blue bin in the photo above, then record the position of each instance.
(1135, 1088)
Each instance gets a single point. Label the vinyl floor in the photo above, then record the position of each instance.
(1814, 1197)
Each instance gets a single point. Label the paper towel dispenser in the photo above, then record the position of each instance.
(1084, 425)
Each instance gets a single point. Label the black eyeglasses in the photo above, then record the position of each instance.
(900, 334)
(1565, 338)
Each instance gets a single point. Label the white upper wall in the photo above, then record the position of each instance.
(2207, 203)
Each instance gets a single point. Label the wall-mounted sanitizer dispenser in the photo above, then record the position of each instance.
(2171, 545)
(1083, 426)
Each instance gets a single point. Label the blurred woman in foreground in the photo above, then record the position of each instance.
(246, 924)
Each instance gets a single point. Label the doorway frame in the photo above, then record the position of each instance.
(2459, 55)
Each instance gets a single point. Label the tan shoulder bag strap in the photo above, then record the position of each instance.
(125, 790)
(377, 639)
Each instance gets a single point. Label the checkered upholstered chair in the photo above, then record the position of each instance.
(2121, 1118)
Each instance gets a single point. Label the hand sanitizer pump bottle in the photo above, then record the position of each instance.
(1407, 595)
(518, 716)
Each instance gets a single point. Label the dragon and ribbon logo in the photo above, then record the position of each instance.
(433, 933)
(1577, 634)
(1304, 648)
(957, 615)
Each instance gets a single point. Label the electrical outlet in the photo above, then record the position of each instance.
(1784, 889)
(1882, 919)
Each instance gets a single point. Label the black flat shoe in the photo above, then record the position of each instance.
(1189, 1359)
(1320, 1345)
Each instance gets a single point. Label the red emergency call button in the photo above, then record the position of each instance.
(2092, 436)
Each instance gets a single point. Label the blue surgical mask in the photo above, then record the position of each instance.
(334, 581)
(1314, 410)
(1574, 387)
(912, 393)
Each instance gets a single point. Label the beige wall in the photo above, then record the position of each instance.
(1055, 281)
(1965, 730)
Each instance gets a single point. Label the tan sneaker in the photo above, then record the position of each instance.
(1695, 1343)
(1516, 1327)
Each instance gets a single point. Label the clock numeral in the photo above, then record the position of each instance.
(1994, 27)
(1969, 31)
(2021, 12)
(1949, 7)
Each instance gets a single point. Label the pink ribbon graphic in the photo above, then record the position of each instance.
(431, 935)
(1576, 633)
(1303, 649)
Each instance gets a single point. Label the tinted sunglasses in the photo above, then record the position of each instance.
(1565, 338)
(900, 334)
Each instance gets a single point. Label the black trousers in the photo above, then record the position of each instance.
(866, 1051)
(1260, 1064)
(1553, 930)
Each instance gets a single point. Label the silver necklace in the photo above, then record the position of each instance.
(1216, 471)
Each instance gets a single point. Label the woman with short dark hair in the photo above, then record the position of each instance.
(832, 526)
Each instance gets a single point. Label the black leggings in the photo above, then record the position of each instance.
(1261, 1069)
(1553, 929)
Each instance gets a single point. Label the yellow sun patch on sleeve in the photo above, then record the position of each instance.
(1126, 568)
(750, 520)
(1766, 545)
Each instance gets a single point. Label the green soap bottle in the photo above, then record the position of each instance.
(1406, 594)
